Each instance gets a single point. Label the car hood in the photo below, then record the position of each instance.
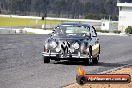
(70, 38)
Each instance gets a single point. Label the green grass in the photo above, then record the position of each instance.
(5, 21)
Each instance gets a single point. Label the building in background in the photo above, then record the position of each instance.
(109, 25)
(106, 25)
(125, 16)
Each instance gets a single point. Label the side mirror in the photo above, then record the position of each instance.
(53, 31)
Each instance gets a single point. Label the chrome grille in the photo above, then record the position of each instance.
(65, 47)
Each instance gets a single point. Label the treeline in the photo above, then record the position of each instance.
(91, 9)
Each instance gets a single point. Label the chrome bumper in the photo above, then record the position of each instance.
(66, 56)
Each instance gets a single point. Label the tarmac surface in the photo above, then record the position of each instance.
(21, 63)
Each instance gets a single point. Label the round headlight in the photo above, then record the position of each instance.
(71, 50)
(57, 49)
(53, 44)
(75, 45)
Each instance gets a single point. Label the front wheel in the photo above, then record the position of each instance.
(46, 59)
(96, 60)
(88, 61)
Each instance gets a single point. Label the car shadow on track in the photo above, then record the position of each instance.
(71, 63)
(101, 64)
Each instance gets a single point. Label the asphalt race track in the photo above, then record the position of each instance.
(21, 63)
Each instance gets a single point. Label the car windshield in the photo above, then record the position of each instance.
(72, 30)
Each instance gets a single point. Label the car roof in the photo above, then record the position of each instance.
(75, 24)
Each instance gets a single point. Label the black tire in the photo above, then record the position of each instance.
(88, 61)
(46, 59)
(99, 49)
(90, 51)
(81, 80)
(96, 60)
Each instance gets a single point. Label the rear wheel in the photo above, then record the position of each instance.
(46, 59)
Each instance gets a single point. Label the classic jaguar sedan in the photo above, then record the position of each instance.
(73, 42)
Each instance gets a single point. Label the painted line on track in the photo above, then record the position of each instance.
(114, 69)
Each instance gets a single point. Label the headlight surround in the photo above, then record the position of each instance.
(46, 45)
(53, 44)
(82, 47)
(76, 45)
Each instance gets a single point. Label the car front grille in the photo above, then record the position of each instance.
(65, 46)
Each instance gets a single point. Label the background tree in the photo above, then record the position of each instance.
(62, 8)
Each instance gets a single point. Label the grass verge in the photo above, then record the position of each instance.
(6, 21)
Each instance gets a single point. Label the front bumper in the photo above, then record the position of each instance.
(59, 55)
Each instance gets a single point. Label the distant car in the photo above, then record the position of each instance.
(73, 42)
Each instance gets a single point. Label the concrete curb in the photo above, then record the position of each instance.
(110, 34)
(41, 31)
(37, 31)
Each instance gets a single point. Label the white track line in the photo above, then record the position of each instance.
(114, 69)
